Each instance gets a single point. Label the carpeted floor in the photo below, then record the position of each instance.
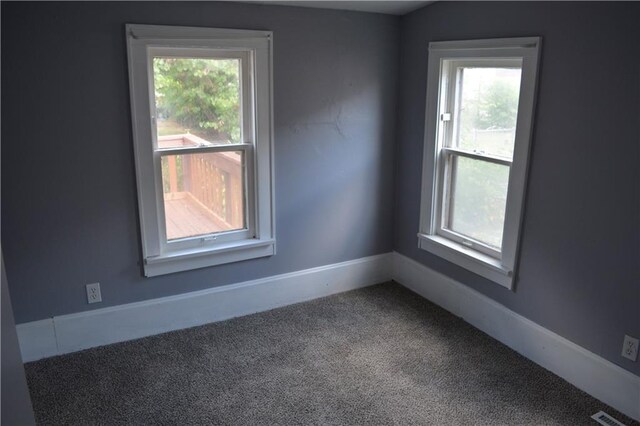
(380, 355)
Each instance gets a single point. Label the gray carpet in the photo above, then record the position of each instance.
(380, 355)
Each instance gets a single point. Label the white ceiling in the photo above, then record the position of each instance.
(391, 7)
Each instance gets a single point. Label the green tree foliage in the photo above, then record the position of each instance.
(498, 106)
(200, 94)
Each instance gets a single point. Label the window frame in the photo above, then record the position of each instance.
(257, 238)
(497, 266)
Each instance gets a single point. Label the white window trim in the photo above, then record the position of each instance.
(501, 270)
(258, 240)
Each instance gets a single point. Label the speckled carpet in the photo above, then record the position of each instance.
(379, 355)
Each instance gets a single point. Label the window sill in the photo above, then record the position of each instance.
(184, 260)
(476, 262)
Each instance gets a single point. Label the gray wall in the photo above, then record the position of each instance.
(16, 403)
(579, 272)
(69, 199)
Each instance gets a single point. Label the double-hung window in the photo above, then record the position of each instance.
(479, 115)
(202, 128)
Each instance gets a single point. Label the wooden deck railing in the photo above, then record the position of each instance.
(212, 179)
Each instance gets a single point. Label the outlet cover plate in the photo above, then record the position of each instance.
(630, 348)
(93, 293)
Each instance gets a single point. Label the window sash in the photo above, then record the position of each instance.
(246, 57)
(451, 91)
(214, 238)
(443, 218)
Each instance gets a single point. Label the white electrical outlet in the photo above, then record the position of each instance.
(630, 348)
(93, 293)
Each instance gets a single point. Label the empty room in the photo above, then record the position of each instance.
(326, 213)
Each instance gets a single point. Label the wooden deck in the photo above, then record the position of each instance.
(186, 217)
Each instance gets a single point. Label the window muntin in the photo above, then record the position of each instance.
(201, 105)
(479, 115)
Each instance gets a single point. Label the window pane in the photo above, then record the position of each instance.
(478, 199)
(197, 101)
(203, 193)
(487, 109)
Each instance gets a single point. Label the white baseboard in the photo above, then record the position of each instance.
(74, 332)
(37, 339)
(593, 374)
(585, 370)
